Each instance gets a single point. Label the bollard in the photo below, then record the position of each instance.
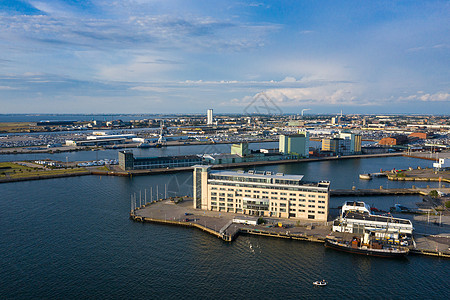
(381, 187)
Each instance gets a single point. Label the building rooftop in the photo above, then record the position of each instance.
(257, 174)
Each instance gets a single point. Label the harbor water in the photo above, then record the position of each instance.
(70, 238)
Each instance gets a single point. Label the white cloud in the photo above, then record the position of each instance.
(5, 87)
(149, 89)
(321, 95)
(427, 97)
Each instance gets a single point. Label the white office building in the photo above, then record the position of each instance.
(209, 116)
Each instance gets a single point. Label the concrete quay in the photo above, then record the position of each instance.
(384, 192)
(429, 238)
(220, 224)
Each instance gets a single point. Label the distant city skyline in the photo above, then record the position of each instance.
(112, 57)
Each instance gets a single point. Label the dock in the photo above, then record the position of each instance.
(385, 192)
(430, 240)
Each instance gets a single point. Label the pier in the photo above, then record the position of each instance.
(430, 239)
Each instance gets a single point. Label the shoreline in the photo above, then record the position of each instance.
(130, 173)
(230, 231)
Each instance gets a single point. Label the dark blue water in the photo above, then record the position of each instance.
(71, 238)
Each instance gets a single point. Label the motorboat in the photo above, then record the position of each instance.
(320, 283)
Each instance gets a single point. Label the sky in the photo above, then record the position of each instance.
(147, 56)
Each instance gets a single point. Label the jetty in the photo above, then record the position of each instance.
(178, 211)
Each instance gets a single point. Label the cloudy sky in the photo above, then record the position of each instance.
(147, 56)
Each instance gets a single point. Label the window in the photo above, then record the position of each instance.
(311, 211)
(213, 194)
(310, 216)
(312, 206)
(312, 201)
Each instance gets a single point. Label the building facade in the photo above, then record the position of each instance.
(295, 144)
(260, 193)
(209, 117)
(355, 141)
(393, 140)
(127, 161)
(345, 143)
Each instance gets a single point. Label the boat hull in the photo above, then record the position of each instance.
(368, 252)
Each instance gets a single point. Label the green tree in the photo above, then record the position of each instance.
(433, 194)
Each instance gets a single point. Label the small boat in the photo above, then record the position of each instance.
(365, 176)
(320, 283)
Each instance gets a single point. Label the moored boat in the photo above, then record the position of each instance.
(372, 249)
(365, 176)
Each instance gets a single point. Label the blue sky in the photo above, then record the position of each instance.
(138, 56)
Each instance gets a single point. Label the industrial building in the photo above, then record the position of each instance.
(96, 142)
(240, 153)
(295, 144)
(260, 193)
(101, 139)
(393, 140)
(127, 161)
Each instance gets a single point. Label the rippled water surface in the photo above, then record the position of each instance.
(71, 238)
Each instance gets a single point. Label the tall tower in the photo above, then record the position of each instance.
(209, 117)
